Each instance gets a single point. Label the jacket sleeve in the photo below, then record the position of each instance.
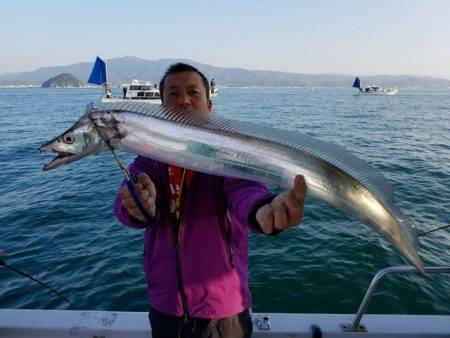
(139, 165)
(245, 198)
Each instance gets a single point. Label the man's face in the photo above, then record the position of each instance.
(186, 90)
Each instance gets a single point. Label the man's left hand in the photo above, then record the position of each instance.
(285, 210)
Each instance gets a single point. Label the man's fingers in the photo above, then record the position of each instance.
(279, 212)
(145, 189)
(143, 195)
(294, 210)
(147, 201)
(125, 192)
(264, 217)
(148, 205)
(144, 179)
(300, 188)
(128, 203)
(286, 210)
(136, 212)
(147, 183)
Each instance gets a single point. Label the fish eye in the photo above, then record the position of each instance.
(69, 139)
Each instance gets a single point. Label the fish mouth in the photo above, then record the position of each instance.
(60, 159)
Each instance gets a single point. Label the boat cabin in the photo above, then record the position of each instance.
(139, 91)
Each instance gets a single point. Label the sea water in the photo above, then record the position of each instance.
(59, 225)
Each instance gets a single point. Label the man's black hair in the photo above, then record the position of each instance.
(180, 68)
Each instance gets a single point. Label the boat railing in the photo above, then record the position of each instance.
(355, 325)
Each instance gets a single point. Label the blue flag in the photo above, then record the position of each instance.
(357, 83)
(98, 74)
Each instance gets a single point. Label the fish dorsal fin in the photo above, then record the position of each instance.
(172, 114)
(337, 155)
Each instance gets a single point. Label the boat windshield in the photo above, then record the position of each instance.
(140, 87)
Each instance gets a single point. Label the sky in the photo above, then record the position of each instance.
(349, 37)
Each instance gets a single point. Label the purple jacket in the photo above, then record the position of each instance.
(213, 248)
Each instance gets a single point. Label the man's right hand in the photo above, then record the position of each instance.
(146, 191)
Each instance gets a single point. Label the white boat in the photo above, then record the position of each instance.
(145, 92)
(148, 93)
(15, 323)
(373, 89)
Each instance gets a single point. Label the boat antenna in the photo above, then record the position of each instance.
(3, 263)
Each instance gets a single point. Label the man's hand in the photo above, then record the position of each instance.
(286, 209)
(146, 191)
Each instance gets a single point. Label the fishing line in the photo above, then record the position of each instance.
(3, 263)
(131, 180)
(440, 228)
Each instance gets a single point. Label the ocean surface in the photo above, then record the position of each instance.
(59, 225)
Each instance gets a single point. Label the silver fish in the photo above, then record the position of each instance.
(223, 147)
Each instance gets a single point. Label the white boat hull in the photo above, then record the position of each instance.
(117, 100)
(88, 324)
(380, 91)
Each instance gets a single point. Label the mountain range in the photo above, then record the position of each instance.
(124, 69)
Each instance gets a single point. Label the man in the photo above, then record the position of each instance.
(196, 253)
(213, 86)
(107, 90)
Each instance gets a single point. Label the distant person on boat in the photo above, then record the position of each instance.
(213, 86)
(124, 89)
(196, 244)
(108, 93)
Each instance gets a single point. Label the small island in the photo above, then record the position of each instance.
(64, 80)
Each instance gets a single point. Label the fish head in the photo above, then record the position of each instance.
(80, 140)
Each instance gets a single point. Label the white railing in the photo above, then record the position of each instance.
(355, 325)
